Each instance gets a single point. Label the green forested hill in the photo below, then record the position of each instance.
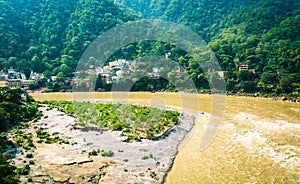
(50, 36)
(261, 33)
(266, 37)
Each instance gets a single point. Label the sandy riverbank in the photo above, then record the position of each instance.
(131, 162)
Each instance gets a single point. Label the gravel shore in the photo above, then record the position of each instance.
(146, 161)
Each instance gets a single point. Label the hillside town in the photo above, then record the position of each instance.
(15, 79)
(107, 74)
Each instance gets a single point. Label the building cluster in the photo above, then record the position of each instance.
(119, 69)
(108, 74)
(115, 70)
(112, 72)
(246, 67)
(14, 79)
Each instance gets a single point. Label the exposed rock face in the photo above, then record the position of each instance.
(56, 165)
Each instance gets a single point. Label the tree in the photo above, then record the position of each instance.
(245, 75)
(286, 84)
(269, 77)
(7, 172)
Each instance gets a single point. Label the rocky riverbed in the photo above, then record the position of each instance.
(146, 161)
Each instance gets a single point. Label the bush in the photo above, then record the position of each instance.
(66, 142)
(153, 174)
(93, 153)
(151, 155)
(24, 170)
(145, 157)
(108, 153)
(26, 148)
(31, 162)
(29, 155)
(40, 141)
(29, 179)
(31, 144)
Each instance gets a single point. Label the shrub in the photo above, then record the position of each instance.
(153, 174)
(30, 144)
(26, 148)
(66, 142)
(31, 162)
(29, 179)
(48, 141)
(93, 153)
(29, 155)
(108, 153)
(144, 157)
(40, 141)
(24, 170)
(151, 155)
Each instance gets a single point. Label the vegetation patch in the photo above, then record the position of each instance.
(29, 155)
(108, 153)
(93, 153)
(153, 174)
(8, 173)
(24, 140)
(45, 137)
(136, 122)
(24, 170)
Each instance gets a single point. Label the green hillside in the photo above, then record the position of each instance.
(50, 37)
(266, 37)
(261, 33)
(206, 17)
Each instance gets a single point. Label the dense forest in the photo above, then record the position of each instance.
(50, 37)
